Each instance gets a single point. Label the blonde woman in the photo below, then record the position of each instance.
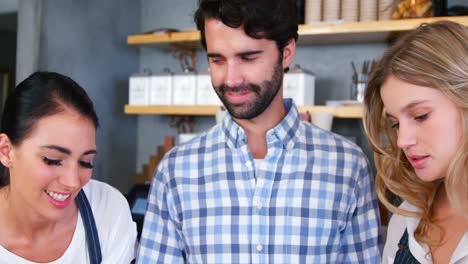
(416, 118)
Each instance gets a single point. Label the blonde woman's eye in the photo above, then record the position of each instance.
(421, 117)
(52, 162)
(392, 123)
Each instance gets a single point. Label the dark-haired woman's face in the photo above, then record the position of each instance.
(51, 165)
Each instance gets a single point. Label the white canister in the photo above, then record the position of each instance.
(206, 94)
(300, 86)
(184, 89)
(161, 89)
(138, 90)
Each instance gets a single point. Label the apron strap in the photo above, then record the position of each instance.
(403, 255)
(92, 238)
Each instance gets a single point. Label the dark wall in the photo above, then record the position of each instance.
(8, 25)
(86, 40)
(7, 50)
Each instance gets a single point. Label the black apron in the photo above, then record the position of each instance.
(92, 238)
(403, 255)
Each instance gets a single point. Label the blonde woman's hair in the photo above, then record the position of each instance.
(434, 55)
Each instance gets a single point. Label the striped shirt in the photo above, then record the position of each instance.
(313, 200)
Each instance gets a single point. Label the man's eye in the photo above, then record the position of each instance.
(87, 165)
(52, 162)
(249, 58)
(215, 60)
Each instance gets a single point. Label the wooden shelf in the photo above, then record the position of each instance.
(342, 33)
(195, 110)
(354, 111)
(356, 32)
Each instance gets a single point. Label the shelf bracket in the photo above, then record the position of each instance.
(184, 124)
(186, 55)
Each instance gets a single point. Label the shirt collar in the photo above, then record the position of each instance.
(287, 131)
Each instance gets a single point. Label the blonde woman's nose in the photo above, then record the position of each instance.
(407, 136)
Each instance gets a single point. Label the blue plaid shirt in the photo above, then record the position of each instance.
(313, 200)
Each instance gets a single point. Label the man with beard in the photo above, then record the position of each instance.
(262, 186)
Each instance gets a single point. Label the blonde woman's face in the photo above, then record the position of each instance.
(427, 123)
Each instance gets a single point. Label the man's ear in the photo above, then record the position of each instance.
(289, 52)
(6, 149)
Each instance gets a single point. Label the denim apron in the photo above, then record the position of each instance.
(94, 248)
(403, 255)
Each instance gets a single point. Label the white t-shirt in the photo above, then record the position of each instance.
(420, 251)
(117, 232)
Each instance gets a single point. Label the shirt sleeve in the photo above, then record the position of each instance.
(361, 240)
(117, 231)
(160, 240)
(122, 246)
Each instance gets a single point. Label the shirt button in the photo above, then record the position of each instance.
(248, 164)
(259, 205)
(259, 247)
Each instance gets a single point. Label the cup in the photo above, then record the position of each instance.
(350, 10)
(184, 137)
(323, 120)
(331, 10)
(359, 87)
(313, 11)
(368, 10)
(385, 9)
(220, 114)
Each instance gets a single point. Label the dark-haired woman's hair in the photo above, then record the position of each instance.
(273, 20)
(41, 95)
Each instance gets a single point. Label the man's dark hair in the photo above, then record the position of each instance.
(270, 19)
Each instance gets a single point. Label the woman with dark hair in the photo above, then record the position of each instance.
(51, 211)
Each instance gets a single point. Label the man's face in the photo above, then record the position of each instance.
(246, 73)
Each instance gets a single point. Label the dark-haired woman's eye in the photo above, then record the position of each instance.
(52, 162)
(87, 165)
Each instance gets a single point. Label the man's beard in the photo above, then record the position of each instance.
(263, 97)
